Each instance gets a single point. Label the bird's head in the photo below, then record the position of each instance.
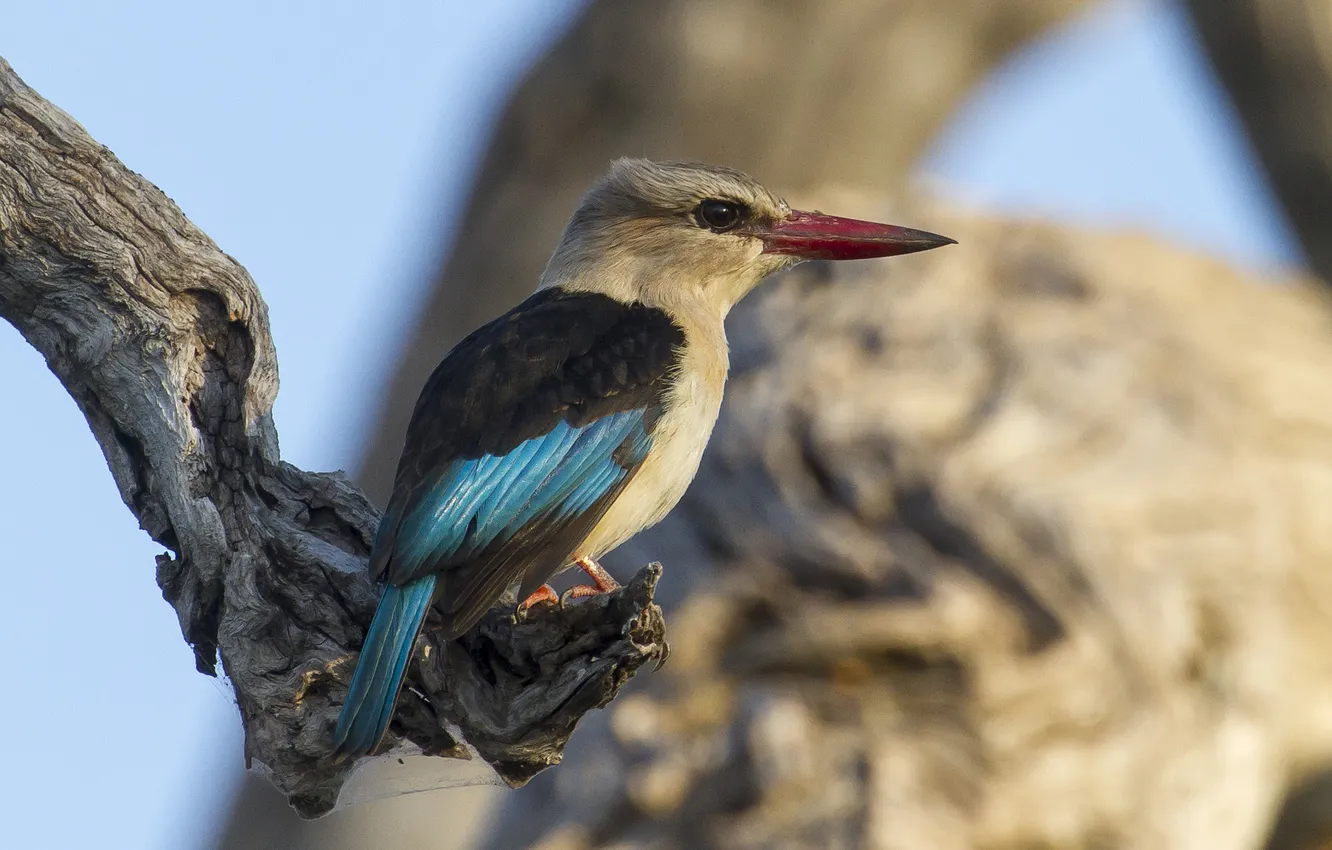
(680, 235)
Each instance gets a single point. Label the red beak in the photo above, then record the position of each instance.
(815, 236)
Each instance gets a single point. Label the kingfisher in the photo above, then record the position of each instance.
(558, 431)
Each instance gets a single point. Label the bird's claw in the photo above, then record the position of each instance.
(602, 581)
(545, 595)
(579, 591)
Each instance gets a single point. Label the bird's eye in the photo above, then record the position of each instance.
(719, 216)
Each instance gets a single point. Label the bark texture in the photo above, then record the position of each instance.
(163, 342)
(1019, 544)
(1275, 59)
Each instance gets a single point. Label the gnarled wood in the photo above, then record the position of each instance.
(163, 342)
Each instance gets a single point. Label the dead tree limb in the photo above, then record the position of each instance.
(163, 341)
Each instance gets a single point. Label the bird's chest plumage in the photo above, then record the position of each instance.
(679, 438)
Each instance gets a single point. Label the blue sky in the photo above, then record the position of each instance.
(324, 145)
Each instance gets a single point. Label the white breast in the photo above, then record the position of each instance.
(678, 441)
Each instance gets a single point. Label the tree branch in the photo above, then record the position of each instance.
(163, 341)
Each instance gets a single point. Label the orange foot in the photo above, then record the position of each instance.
(602, 581)
(545, 595)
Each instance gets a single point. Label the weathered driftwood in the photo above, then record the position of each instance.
(163, 341)
(1020, 544)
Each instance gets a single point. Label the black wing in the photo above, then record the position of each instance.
(522, 438)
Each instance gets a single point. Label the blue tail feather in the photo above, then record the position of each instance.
(373, 692)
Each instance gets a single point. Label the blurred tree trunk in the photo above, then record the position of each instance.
(1275, 59)
(1006, 547)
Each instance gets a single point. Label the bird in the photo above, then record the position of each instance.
(548, 437)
